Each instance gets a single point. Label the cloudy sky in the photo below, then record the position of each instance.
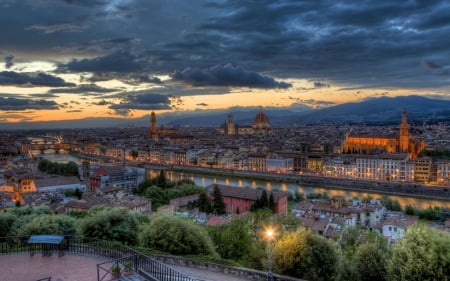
(73, 59)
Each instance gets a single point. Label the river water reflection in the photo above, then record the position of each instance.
(205, 180)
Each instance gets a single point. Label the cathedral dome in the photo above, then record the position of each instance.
(261, 120)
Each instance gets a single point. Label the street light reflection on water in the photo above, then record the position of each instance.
(206, 180)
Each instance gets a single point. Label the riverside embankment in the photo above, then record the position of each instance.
(390, 188)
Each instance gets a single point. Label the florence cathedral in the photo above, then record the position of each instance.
(260, 126)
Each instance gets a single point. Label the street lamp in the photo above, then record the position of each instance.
(270, 234)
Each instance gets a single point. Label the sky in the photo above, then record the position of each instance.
(122, 59)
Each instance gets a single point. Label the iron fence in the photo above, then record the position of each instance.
(118, 253)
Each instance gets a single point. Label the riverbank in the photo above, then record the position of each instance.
(389, 188)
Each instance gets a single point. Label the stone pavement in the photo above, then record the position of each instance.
(22, 267)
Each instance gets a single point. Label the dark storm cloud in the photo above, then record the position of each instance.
(120, 61)
(128, 78)
(142, 101)
(102, 102)
(22, 104)
(366, 43)
(83, 89)
(319, 84)
(227, 75)
(32, 79)
(9, 61)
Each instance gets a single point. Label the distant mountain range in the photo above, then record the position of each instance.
(383, 109)
(373, 110)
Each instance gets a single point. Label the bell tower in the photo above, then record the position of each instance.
(404, 133)
(231, 129)
(153, 132)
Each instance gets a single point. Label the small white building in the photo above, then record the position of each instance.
(394, 227)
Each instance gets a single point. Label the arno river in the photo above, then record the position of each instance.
(205, 180)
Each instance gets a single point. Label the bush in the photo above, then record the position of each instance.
(176, 236)
(49, 224)
(113, 224)
(305, 255)
(422, 254)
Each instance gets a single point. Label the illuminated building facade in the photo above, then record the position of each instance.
(404, 142)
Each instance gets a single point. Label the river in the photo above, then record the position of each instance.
(206, 180)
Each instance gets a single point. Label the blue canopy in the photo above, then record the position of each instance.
(45, 239)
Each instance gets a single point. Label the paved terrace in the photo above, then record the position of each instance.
(23, 267)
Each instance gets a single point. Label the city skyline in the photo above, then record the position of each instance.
(64, 60)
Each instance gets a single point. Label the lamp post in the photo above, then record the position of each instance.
(270, 233)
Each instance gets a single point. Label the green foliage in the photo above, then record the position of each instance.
(217, 204)
(49, 224)
(422, 254)
(288, 222)
(265, 201)
(203, 203)
(113, 224)
(161, 180)
(134, 154)
(162, 195)
(55, 168)
(233, 240)
(6, 221)
(73, 193)
(176, 236)
(317, 195)
(430, 213)
(305, 255)
(390, 204)
(371, 260)
(299, 196)
(437, 154)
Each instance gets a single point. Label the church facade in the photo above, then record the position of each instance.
(403, 143)
(260, 126)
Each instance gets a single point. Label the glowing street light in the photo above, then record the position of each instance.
(270, 235)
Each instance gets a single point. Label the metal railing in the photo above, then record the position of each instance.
(144, 265)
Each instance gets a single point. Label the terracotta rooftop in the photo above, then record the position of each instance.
(243, 193)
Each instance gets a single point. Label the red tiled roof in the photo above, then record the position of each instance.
(243, 193)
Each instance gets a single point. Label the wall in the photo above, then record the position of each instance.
(246, 273)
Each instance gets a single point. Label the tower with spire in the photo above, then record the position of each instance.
(404, 133)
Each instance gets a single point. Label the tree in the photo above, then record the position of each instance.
(161, 180)
(371, 261)
(6, 220)
(305, 255)
(134, 154)
(233, 240)
(217, 204)
(390, 204)
(272, 204)
(422, 254)
(203, 203)
(263, 200)
(113, 224)
(176, 236)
